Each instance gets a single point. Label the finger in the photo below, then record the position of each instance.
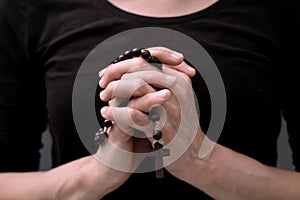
(125, 89)
(184, 68)
(127, 119)
(100, 74)
(137, 84)
(183, 90)
(166, 56)
(115, 71)
(156, 78)
(148, 101)
(173, 60)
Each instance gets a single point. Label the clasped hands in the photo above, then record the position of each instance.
(144, 86)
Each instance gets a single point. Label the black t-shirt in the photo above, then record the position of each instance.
(43, 44)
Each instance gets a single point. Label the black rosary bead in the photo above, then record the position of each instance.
(107, 123)
(145, 54)
(116, 61)
(157, 145)
(157, 135)
(136, 52)
(121, 58)
(128, 54)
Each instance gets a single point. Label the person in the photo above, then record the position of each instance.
(251, 44)
(221, 172)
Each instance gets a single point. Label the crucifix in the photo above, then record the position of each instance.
(158, 153)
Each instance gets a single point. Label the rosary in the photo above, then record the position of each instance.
(157, 146)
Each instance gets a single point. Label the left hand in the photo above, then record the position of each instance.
(181, 131)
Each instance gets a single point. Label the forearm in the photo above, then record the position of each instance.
(24, 185)
(79, 179)
(226, 174)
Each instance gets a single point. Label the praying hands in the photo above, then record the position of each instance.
(194, 158)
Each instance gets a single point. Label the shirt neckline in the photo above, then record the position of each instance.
(162, 20)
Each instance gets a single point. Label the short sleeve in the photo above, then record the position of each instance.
(22, 99)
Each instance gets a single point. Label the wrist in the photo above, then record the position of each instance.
(101, 178)
(80, 179)
(201, 171)
(205, 172)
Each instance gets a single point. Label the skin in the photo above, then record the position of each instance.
(165, 8)
(74, 180)
(221, 173)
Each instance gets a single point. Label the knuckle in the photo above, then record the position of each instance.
(132, 104)
(110, 89)
(124, 76)
(108, 71)
(144, 89)
(139, 83)
(134, 116)
(137, 64)
(114, 72)
(137, 117)
(148, 100)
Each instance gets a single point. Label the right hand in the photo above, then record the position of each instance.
(119, 140)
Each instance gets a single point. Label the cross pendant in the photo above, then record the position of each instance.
(159, 154)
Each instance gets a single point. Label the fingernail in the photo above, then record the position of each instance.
(177, 55)
(101, 72)
(102, 95)
(161, 93)
(101, 82)
(191, 69)
(103, 110)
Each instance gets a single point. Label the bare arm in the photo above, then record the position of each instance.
(85, 178)
(223, 173)
(226, 174)
(81, 179)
